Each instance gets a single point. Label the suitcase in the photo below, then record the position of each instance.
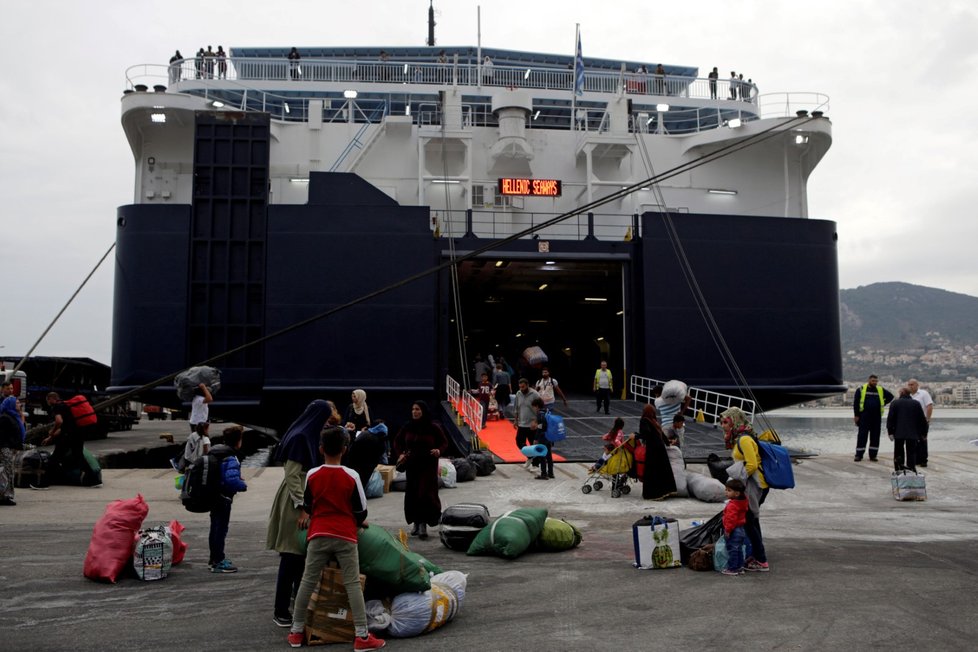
(458, 537)
(466, 514)
(656, 540)
(908, 485)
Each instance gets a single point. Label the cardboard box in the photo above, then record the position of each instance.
(329, 619)
(387, 473)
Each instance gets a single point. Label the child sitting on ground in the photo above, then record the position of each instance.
(231, 483)
(734, 519)
(334, 506)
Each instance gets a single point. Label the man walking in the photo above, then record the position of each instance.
(547, 388)
(603, 386)
(907, 426)
(867, 407)
(524, 415)
(927, 403)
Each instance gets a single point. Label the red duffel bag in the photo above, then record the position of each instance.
(179, 545)
(110, 550)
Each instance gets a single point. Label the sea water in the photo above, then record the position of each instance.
(831, 430)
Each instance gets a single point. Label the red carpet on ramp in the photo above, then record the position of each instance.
(500, 437)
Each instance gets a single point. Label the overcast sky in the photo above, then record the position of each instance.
(899, 178)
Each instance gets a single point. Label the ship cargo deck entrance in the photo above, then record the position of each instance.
(571, 306)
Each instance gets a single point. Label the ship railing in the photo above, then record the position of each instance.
(355, 71)
(466, 406)
(705, 405)
(790, 105)
(489, 223)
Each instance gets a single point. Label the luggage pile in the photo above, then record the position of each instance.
(468, 527)
(451, 472)
(119, 542)
(407, 595)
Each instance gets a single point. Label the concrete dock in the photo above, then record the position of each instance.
(850, 568)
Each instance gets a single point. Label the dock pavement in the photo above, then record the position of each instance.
(851, 568)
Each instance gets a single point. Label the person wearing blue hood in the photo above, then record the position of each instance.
(298, 451)
(12, 434)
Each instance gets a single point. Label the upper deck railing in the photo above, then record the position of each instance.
(694, 104)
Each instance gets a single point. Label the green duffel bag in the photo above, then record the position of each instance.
(511, 534)
(558, 535)
(387, 563)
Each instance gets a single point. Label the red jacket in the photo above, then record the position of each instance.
(735, 514)
(335, 501)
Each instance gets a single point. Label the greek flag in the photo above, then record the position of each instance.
(579, 69)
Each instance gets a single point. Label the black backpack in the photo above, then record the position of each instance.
(202, 481)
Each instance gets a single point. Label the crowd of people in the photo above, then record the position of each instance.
(207, 64)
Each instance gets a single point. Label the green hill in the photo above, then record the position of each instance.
(884, 321)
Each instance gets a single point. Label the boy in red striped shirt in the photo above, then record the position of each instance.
(334, 507)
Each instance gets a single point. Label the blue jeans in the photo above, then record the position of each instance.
(322, 550)
(735, 548)
(220, 519)
(753, 531)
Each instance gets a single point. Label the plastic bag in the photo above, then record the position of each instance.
(179, 545)
(375, 486)
(113, 539)
(152, 555)
(700, 536)
(187, 381)
(447, 474)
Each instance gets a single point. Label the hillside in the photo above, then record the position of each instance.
(902, 328)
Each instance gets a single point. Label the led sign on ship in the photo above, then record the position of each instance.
(529, 187)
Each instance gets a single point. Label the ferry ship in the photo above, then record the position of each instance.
(375, 217)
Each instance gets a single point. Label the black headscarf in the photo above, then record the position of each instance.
(301, 441)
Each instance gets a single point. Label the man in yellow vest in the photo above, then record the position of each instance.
(603, 386)
(867, 407)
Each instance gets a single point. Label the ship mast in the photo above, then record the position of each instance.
(431, 24)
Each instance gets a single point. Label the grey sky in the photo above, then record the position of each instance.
(898, 179)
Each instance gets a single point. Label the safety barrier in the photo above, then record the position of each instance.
(705, 405)
(468, 410)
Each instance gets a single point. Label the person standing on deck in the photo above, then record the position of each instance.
(176, 61)
(906, 425)
(713, 77)
(867, 407)
(927, 403)
(603, 386)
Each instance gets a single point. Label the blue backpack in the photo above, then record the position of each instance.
(556, 430)
(775, 464)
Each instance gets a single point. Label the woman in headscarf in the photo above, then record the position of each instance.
(298, 451)
(358, 414)
(657, 481)
(417, 448)
(738, 435)
(12, 434)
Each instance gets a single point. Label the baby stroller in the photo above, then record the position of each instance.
(615, 471)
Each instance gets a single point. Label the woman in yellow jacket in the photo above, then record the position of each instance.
(737, 432)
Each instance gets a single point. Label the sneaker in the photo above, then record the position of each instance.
(173, 463)
(732, 573)
(527, 464)
(37, 488)
(282, 621)
(550, 475)
(922, 465)
(7, 502)
(755, 566)
(541, 477)
(857, 459)
(224, 566)
(296, 639)
(368, 642)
